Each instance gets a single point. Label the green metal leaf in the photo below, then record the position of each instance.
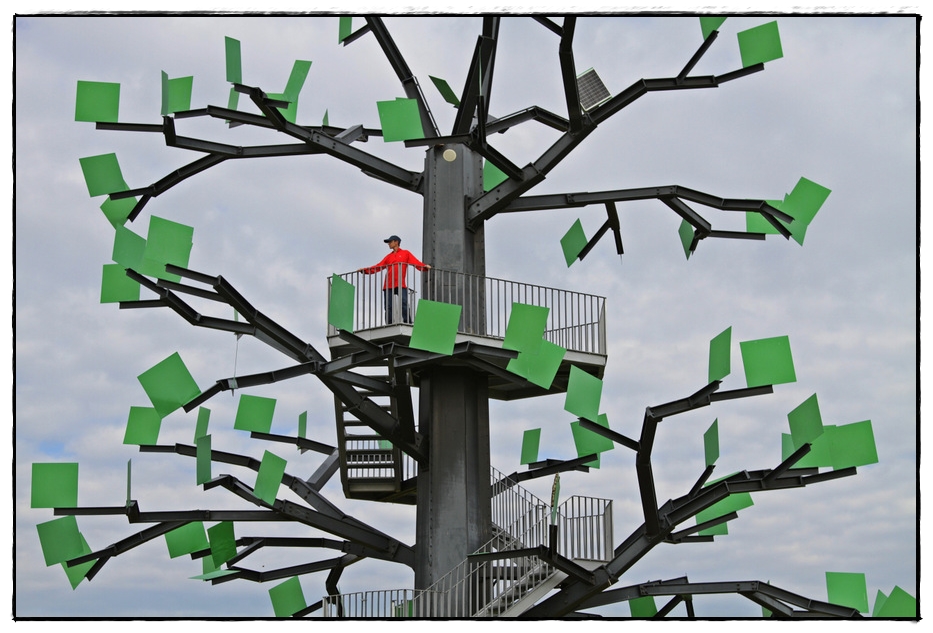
(531, 440)
(760, 44)
(435, 326)
(573, 242)
(254, 413)
(287, 598)
(97, 101)
(54, 485)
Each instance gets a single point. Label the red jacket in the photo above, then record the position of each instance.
(396, 263)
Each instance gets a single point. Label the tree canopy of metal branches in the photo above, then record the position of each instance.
(353, 540)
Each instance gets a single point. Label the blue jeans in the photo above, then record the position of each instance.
(390, 294)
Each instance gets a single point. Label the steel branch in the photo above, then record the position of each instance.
(403, 72)
(381, 546)
(544, 469)
(696, 56)
(568, 75)
(575, 594)
(763, 593)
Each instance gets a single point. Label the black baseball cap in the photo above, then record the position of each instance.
(392, 238)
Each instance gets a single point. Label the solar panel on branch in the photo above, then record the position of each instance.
(591, 89)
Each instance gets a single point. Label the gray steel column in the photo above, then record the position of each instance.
(453, 490)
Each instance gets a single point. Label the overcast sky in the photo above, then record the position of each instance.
(840, 108)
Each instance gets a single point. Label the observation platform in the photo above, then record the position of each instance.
(574, 328)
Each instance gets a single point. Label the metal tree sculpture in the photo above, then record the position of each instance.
(475, 555)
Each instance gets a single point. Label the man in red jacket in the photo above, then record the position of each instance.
(396, 266)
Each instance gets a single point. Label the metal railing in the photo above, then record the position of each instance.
(392, 603)
(370, 457)
(576, 321)
(516, 511)
(478, 588)
(585, 529)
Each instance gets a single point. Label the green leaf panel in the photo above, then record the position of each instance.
(573, 242)
(186, 539)
(768, 361)
(169, 385)
(340, 309)
(269, 477)
(531, 440)
(254, 413)
(760, 44)
(847, 589)
(97, 101)
(54, 485)
(102, 175)
(287, 598)
(435, 326)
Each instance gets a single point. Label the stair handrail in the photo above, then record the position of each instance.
(477, 588)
